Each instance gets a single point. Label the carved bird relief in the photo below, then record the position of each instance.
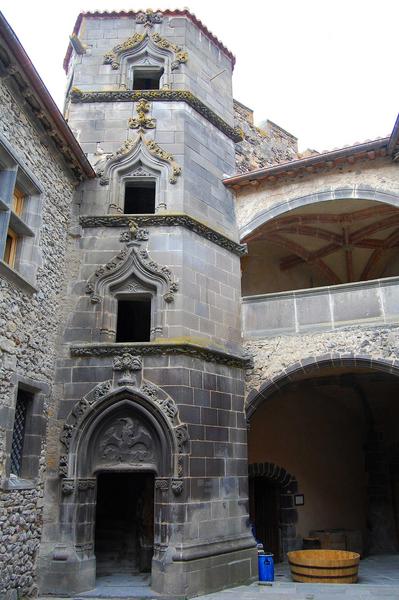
(126, 441)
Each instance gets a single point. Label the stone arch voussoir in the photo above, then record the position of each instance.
(340, 193)
(309, 365)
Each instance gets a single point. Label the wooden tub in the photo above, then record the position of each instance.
(324, 566)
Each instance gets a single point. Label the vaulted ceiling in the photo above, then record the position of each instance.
(344, 240)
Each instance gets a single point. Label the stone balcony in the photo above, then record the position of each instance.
(373, 302)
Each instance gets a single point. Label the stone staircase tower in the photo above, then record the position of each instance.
(150, 376)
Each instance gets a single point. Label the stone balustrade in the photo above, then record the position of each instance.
(323, 308)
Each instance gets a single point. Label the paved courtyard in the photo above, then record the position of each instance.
(379, 578)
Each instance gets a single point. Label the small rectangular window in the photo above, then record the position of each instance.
(10, 249)
(140, 198)
(18, 201)
(18, 435)
(133, 320)
(147, 78)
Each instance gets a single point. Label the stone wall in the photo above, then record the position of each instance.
(365, 179)
(278, 356)
(262, 146)
(28, 325)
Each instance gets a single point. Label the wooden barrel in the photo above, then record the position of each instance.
(324, 566)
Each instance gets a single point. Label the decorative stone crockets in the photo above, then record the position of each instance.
(137, 41)
(130, 151)
(130, 261)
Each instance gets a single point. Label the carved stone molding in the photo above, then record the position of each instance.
(177, 486)
(89, 483)
(166, 348)
(182, 437)
(68, 486)
(124, 440)
(135, 233)
(162, 484)
(127, 364)
(169, 220)
(106, 161)
(180, 55)
(142, 120)
(112, 57)
(234, 133)
(157, 151)
(149, 18)
(125, 263)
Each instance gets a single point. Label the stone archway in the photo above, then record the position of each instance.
(288, 514)
(131, 429)
(308, 365)
(351, 385)
(340, 193)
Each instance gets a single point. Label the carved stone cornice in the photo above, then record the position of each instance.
(168, 220)
(234, 133)
(169, 348)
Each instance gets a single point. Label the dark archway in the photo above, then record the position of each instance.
(310, 364)
(282, 532)
(334, 417)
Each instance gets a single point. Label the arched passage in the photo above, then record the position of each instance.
(328, 238)
(332, 422)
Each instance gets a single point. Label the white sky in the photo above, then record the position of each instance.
(325, 70)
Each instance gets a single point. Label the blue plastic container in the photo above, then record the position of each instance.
(266, 567)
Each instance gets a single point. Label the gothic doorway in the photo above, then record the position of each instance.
(124, 530)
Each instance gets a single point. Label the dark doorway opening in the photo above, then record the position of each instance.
(265, 513)
(147, 78)
(140, 198)
(124, 523)
(133, 320)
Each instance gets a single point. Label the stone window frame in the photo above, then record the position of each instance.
(126, 178)
(34, 435)
(146, 55)
(15, 174)
(137, 164)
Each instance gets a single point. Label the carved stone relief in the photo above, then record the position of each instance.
(126, 440)
(142, 120)
(127, 364)
(149, 18)
(135, 233)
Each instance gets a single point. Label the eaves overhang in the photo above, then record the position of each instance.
(15, 63)
(368, 150)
